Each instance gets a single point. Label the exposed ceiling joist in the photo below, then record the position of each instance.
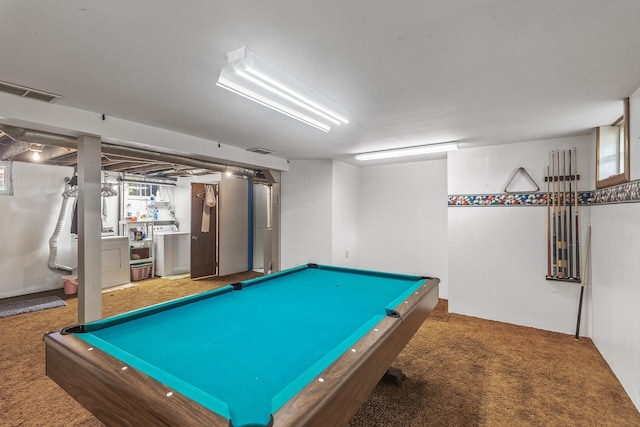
(62, 150)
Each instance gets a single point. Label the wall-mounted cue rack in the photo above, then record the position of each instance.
(563, 228)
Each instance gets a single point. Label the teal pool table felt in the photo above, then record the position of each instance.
(245, 353)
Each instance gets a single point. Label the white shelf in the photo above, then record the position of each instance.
(140, 261)
(144, 226)
(142, 221)
(147, 240)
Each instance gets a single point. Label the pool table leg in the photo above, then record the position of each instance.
(394, 375)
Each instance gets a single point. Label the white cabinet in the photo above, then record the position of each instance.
(172, 252)
(115, 261)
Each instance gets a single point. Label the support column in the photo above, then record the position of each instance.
(251, 225)
(89, 230)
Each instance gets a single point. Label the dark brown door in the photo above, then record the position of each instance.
(203, 244)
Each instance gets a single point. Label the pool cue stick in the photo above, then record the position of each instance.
(570, 220)
(555, 225)
(582, 282)
(577, 251)
(565, 240)
(549, 262)
(560, 246)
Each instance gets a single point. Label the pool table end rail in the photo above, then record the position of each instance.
(115, 393)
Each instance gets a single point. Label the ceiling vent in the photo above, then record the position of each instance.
(260, 150)
(28, 92)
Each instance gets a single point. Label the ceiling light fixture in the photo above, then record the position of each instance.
(408, 151)
(36, 149)
(250, 76)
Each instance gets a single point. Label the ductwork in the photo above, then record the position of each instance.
(18, 147)
(175, 159)
(45, 138)
(37, 137)
(14, 150)
(69, 196)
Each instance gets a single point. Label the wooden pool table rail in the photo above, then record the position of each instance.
(115, 396)
(350, 379)
(131, 398)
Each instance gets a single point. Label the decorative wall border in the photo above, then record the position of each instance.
(622, 193)
(509, 199)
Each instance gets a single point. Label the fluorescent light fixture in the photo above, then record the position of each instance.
(250, 76)
(408, 151)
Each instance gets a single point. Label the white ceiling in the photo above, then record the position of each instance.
(409, 71)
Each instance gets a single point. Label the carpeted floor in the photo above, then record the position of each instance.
(461, 371)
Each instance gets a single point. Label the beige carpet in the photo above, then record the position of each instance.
(462, 371)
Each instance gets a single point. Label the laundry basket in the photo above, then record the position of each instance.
(140, 271)
(70, 285)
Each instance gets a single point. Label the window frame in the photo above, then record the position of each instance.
(625, 175)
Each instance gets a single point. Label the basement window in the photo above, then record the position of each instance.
(612, 151)
(6, 182)
(143, 191)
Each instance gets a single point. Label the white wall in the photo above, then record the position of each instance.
(233, 210)
(27, 221)
(306, 213)
(182, 198)
(634, 135)
(616, 291)
(498, 255)
(112, 205)
(403, 219)
(389, 218)
(346, 185)
(260, 201)
(615, 287)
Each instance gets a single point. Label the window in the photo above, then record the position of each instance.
(138, 190)
(612, 151)
(6, 187)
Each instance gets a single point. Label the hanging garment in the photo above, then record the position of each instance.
(74, 219)
(208, 202)
(73, 184)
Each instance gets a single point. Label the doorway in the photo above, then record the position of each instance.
(204, 230)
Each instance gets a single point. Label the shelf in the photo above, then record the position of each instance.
(147, 240)
(140, 261)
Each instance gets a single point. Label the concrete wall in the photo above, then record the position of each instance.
(27, 221)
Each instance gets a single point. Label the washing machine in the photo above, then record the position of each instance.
(172, 250)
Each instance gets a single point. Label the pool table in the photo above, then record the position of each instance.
(301, 347)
